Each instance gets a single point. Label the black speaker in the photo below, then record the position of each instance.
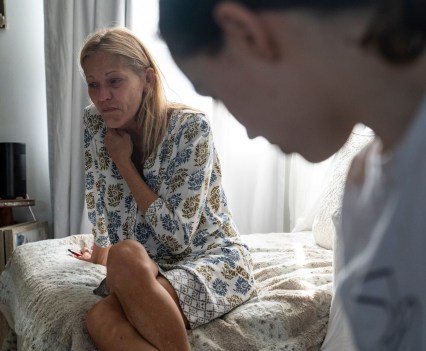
(13, 174)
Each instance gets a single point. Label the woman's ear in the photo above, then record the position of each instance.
(150, 78)
(244, 30)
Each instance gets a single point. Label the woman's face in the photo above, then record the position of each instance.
(115, 89)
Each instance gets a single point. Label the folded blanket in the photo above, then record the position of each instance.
(45, 295)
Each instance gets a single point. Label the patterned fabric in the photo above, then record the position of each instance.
(188, 231)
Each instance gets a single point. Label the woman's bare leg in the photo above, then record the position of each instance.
(148, 301)
(110, 329)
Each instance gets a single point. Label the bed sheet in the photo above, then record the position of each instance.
(45, 295)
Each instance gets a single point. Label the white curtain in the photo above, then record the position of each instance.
(267, 190)
(67, 24)
(253, 173)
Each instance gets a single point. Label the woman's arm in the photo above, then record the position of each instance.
(94, 155)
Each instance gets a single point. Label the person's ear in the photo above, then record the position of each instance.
(244, 29)
(150, 78)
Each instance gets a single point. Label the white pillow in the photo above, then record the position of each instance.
(328, 215)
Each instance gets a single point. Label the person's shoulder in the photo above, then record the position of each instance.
(189, 118)
(187, 126)
(91, 110)
(188, 114)
(92, 119)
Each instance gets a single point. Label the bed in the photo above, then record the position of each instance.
(45, 294)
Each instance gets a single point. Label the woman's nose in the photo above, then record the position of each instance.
(104, 94)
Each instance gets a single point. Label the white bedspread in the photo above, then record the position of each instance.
(45, 294)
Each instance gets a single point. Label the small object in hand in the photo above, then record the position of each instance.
(77, 254)
(102, 289)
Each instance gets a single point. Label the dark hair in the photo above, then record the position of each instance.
(397, 30)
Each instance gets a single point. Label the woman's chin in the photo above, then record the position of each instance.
(118, 123)
(111, 123)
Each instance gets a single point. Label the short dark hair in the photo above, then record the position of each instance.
(397, 29)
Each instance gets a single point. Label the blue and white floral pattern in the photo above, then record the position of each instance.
(189, 229)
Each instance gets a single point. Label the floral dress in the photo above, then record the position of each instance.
(188, 231)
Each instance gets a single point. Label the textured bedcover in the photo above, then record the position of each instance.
(45, 294)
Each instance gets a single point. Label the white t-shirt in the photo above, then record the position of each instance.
(383, 284)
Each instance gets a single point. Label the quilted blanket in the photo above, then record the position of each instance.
(45, 295)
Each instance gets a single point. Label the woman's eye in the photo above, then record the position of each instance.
(92, 85)
(115, 81)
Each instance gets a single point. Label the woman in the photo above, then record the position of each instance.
(303, 73)
(153, 177)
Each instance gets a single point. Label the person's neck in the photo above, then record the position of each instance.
(395, 110)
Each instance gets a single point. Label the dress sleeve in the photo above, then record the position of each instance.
(175, 215)
(94, 181)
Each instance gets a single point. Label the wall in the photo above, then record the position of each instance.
(23, 97)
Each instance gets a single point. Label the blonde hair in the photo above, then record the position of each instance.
(152, 116)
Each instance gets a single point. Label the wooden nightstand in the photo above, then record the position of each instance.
(6, 209)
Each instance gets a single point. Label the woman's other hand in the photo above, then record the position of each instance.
(119, 145)
(86, 253)
(97, 255)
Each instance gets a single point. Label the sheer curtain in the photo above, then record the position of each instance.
(67, 24)
(267, 190)
(254, 175)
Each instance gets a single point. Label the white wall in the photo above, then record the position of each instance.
(23, 97)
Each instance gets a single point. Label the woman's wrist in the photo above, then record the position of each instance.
(126, 167)
(100, 255)
(124, 162)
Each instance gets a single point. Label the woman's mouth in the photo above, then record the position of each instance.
(109, 109)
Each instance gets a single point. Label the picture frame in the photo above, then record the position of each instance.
(19, 234)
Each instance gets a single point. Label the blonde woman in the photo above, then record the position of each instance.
(161, 221)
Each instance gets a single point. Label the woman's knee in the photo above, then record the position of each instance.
(125, 253)
(128, 261)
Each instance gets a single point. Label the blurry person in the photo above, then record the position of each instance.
(303, 73)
